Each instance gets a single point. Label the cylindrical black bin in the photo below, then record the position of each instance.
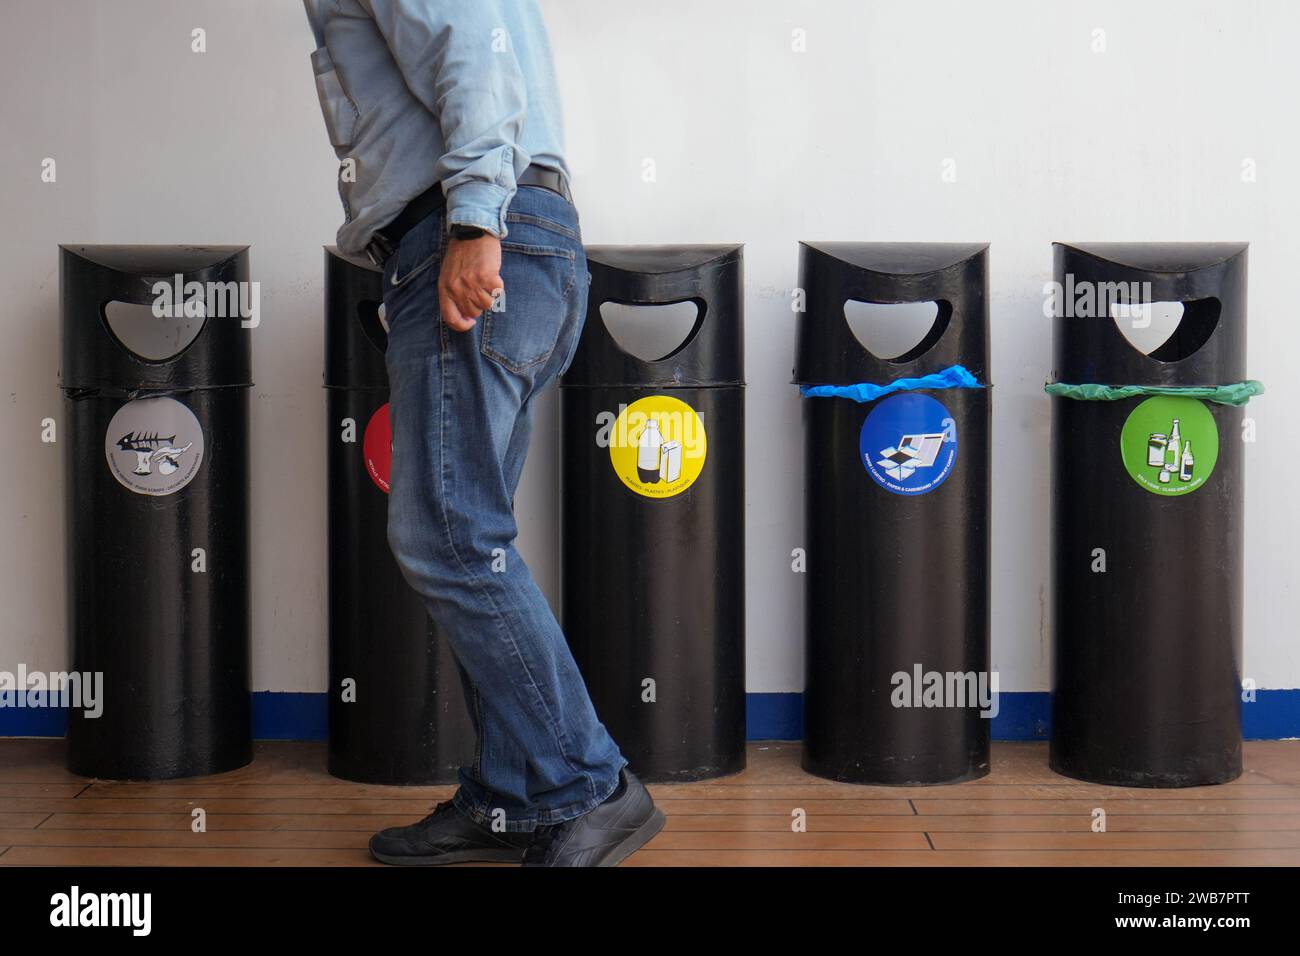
(897, 522)
(1147, 560)
(397, 711)
(652, 515)
(156, 482)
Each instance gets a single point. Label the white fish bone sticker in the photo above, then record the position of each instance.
(154, 445)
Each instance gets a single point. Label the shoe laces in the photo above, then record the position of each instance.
(440, 810)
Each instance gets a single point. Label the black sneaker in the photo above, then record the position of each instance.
(605, 836)
(447, 836)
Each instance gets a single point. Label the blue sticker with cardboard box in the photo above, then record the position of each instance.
(908, 443)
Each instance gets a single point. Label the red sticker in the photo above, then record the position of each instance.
(377, 446)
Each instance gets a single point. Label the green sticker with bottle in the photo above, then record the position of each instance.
(1170, 444)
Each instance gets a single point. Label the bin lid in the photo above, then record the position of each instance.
(900, 258)
(141, 260)
(711, 276)
(661, 260)
(954, 275)
(161, 276)
(1161, 256)
(1097, 284)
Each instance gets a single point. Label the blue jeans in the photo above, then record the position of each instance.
(461, 405)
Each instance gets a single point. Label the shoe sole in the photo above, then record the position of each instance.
(639, 838)
(461, 856)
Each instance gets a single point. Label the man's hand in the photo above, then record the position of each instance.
(470, 277)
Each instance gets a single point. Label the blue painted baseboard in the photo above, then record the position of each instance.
(1026, 715)
(1021, 716)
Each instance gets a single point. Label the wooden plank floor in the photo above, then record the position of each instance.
(285, 810)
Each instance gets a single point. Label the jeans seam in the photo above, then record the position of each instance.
(484, 593)
(579, 321)
(541, 223)
(478, 737)
(537, 249)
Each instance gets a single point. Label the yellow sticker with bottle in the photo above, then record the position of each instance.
(657, 446)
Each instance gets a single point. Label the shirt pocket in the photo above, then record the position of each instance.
(520, 330)
(341, 113)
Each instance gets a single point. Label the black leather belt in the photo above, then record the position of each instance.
(385, 239)
(547, 178)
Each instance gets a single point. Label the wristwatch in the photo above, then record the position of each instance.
(462, 231)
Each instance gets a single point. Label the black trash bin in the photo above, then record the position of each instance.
(652, 515)
(397, 712)
(156, 482)
(1147, 515)
(897, 518)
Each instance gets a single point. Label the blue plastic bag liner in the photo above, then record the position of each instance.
(954, 376)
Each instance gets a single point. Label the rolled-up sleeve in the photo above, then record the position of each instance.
(458, 59)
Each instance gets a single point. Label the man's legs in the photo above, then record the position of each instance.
(506, 761)
(460, 429)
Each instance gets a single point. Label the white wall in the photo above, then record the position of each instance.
(752, 142)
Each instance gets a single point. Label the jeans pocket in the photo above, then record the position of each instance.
(401, 274)
(419, 249)
(521, 328)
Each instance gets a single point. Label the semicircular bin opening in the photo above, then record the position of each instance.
(897, 332)
(1167, 331)
(153, 337)
(651, 333)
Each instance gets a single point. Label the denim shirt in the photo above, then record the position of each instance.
(416, 92)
